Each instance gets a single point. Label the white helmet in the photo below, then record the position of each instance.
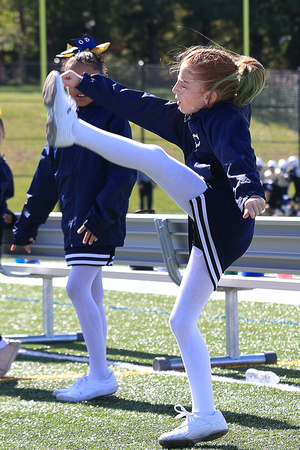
(272, 163)
(292, 162)
(282, 164)
(259, 162)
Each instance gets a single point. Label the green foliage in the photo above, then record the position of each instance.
(145, 30)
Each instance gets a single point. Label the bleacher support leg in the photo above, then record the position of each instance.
(232, 323)
(48, 335)
(48, 306)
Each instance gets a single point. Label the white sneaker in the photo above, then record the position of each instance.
(61, 111)
(63, 391)
(194, 429)
(87, 389)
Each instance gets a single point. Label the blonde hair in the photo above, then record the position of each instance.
(231, 76)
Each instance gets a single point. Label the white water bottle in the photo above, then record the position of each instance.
(258, 376)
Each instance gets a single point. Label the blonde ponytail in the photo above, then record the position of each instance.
(251, 76)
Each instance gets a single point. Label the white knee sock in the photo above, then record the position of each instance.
(195, 290)
(98, 296)
(85, 290)
(177, 180)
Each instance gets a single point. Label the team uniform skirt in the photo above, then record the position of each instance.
(90, 256)
(219, 230)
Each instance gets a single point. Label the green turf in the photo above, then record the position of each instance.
(259, 417)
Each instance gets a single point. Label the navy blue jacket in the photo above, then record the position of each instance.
(90, 190)
(216, 142)
(6, 192)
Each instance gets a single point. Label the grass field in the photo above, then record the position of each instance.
(24, 117)
(259, 417)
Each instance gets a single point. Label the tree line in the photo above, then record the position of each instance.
(155, 30)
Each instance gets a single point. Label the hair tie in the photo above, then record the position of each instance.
(86, 43)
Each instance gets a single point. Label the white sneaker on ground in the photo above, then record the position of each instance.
(63, 391)
(87, 389)
(61, 112)
(7, 355)
(195, 428)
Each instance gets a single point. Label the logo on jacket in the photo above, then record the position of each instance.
(196, 139)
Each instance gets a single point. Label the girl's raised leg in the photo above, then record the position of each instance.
(177, 180)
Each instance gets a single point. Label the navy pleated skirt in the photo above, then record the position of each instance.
(219, 230)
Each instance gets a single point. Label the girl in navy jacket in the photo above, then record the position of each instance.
(93, 195)
(7, 217)
(219, 188)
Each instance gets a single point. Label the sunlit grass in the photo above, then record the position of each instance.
(138, 331)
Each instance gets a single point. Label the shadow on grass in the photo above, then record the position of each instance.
(10, 388)
(256, 421)
(114, 354)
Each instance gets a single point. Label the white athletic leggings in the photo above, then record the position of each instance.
(85, 290)
(181, 184)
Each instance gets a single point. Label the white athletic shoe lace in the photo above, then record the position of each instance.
(79, 384)
(182, 412)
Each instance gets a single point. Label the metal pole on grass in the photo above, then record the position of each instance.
(142, 70)
(43, 41)
(246, 28)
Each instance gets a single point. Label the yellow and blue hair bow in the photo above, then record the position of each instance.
(86, 43)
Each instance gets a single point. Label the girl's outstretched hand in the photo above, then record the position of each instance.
(71, 78)
(254, 206)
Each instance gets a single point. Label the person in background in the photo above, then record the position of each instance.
(261, 168)
(145, 185)
(294, 175)
(7, 217)
(219, 187)
(271, 187)
(283, 179)
(8, 348)
(283, 183)
(93, 195)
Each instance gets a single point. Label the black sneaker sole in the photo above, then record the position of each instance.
(188, 443)
(214, 436)
(177, 444)
(49, 90)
